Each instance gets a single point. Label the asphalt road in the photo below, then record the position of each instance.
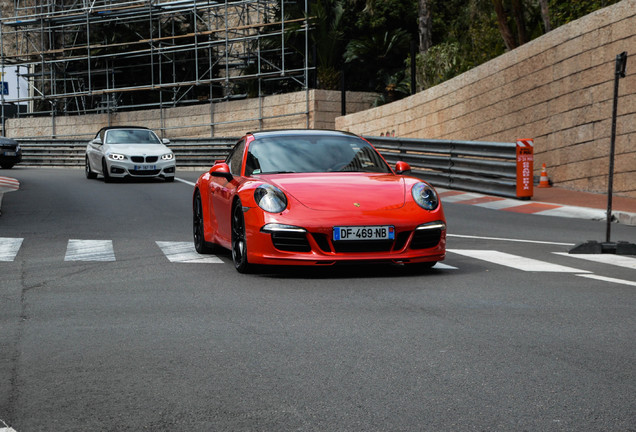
(124, 339)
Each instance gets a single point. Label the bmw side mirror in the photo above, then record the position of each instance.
(166, 141)
(221, 170)
(402, 168)
(97, 141)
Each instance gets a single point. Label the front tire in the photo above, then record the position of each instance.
(107, 178)
(200, 245)
(239, 242)
(89, 173)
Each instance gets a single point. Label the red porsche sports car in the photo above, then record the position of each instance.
(315, 198)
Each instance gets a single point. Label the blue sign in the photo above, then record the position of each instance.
(5, 88)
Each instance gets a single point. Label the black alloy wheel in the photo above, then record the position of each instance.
(89, 173)
(239, 243)
(200, 244)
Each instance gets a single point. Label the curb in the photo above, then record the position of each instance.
(7, 184)
(533, 207)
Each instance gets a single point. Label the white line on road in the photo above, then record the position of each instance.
(509, 239)
(515, 261)
(612, 259)
(9, 248)
(184, 252)
(89, 250)
(184, 181)
(608, 279)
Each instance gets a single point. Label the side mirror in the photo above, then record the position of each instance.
(97, 141)
(402, 168)
(221, 170)
(166, 141)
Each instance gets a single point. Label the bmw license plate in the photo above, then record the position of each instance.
(383, 232)
(144, 167)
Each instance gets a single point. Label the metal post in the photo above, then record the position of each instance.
(621, 62)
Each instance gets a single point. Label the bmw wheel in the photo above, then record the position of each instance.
(107, 178)
(239, 243)
(89, 173)
(200, 244)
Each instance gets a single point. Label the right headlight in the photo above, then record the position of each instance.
(425, 196)
(116, 156)
(270, 198)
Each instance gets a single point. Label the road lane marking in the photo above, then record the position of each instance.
(9, 248)
(184, 252)
(515, 261)
(612, 259)
(442, 266)
(89, 250)
(509, 239)
(184, 181)
(608, 279)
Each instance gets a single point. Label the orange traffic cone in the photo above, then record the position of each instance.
(544, 182)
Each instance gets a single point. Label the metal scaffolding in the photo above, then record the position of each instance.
(104, 56)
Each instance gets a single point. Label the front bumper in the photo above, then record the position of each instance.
(311, 243)
(126, 168)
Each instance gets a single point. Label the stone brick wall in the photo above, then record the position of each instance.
(557, 89)
(315, 109)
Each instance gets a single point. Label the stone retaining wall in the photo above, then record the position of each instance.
(315, 109)
(557, 89)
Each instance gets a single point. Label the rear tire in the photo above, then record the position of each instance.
(198, 232)
(239, 242)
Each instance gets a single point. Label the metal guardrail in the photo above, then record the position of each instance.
(192, 153)
(487, 167)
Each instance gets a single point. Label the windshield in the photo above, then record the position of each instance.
(303, 154)
(131, 136)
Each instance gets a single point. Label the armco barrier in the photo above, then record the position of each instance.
(489, 167)
(199, 152)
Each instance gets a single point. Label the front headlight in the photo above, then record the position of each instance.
(116, 156)
(167, 157)
(270, 198)
(425, 196)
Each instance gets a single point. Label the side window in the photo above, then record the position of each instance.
(235, 158)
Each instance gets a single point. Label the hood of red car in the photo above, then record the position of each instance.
(343, 191)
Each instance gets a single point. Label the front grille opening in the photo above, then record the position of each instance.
(152, 158)
(291, 241)
(428, 238)
(145, 172)
(137, 159)
(363, 246)
(322, 241)
(401, 240)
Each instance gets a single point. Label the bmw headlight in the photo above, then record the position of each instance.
(425, 196)
(167, 157)
(116, 156)
(270, 198)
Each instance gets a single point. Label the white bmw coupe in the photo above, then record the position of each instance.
(129, 151)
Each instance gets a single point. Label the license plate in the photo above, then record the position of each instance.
(384, 232)
(10, 153)
(144, 167)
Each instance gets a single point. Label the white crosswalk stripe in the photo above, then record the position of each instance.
(184, 252)
(516, 261)
(9, 248)
(611, 259)
(89, 250)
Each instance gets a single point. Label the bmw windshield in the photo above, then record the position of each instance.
(305, 154)
(131, 136)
